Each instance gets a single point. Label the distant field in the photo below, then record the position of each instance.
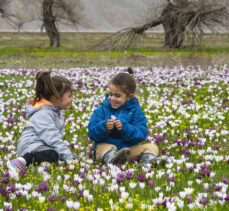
(32, 50)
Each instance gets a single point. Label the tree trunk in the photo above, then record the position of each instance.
(174, 27)
(50, 24)
(174, 34)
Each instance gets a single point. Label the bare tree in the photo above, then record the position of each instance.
(5, 12)
(16, 13)
(180, 19)
(51, 13)
(50, 23)
(58, 10)
(2, 5)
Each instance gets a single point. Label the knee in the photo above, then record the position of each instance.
(152, 148)
(104, 146)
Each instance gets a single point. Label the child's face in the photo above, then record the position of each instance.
(116, 96)
(65, 101)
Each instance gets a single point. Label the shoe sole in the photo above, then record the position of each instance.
(156, 161)
(121, 156)
(11, 168)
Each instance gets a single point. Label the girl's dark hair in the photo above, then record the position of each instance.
(48, 86)
(125, 81)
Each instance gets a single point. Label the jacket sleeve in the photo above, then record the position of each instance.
(97, 130)
(49, 134)
(135, 132)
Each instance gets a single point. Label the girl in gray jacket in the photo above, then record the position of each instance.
(41, 139)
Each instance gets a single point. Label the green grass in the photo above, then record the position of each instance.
(31, 50)
(209, 95)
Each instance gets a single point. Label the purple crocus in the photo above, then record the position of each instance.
(225, 180)
(76, 182)
(3, 191)
(217, 187)
(190, 199)
(159, 138)
(141, 177)
(46, 168)
(120, 178)
(186, 102)
(205, 172)
(227, 198)
(4, 180)
(129, 175)
(180, 142)
(43, 187)
(80, 195)
(82, 175)
(185, 152)
(10, 120)
(197, 82)
(23, 114)
(23, 172)
(204, 201)
(225, 100)
(8, 208)
(200, 159)
(11, 188)
(182, 170)
(64, 198)
(171, 179)
(6, 174)
(52, 198)
(215, 147)
(18, 194)
(90, 154)
(4, 148)
(151, 183)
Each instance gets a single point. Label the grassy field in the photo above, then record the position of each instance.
(187, 115)
(31, 50)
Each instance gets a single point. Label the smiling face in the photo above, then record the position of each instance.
(117, 97)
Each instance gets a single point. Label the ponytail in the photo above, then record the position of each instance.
(130, 71)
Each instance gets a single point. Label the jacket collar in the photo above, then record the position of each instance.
(42, 102)
(40, 105)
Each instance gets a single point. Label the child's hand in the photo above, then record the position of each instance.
(118, 124)
(110, 124)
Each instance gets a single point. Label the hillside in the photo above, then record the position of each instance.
(96, 15)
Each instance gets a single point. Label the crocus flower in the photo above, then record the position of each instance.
(43, 187)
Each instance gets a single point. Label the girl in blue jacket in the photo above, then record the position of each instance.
(41, 139)
(118, 125)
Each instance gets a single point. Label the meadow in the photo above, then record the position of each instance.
(187, 112)
(31, 50)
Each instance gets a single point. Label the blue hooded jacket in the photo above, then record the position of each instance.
(134, 124)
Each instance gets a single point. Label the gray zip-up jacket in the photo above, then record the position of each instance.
(44, 131)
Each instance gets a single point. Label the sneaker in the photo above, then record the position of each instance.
(117, 157)
(151, 158)
(17, 164)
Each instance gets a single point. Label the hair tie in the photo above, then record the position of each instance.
(130, 71)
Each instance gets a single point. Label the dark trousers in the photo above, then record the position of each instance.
(50, 156)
